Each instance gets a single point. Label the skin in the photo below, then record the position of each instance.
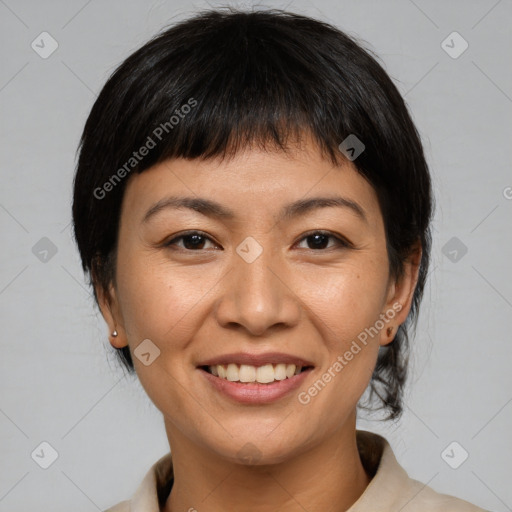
(294, 298)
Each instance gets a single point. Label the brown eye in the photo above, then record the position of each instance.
(194, 240)
(318, 240)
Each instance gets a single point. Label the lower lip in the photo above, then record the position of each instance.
(256, 393)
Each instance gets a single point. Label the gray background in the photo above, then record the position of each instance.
(58, 382)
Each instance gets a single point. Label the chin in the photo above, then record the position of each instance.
(260, 448)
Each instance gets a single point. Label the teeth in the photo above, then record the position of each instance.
(262, 374)
(265, 374)
(247, 373)
(280, 371)
(232, 373)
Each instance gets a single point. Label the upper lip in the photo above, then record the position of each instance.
(256, 359)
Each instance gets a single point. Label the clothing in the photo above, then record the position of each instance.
(390, 489)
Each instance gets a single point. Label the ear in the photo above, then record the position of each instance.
(109, 307)
(400, 295)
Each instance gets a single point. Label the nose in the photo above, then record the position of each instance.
(258, 296)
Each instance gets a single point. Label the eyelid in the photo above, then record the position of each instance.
(184, 234)
(340, 240)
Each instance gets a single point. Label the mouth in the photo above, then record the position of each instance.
(250, 374)
(255, 379)
(255, 385)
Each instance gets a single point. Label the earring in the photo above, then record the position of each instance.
(389, 331)
(114, 334)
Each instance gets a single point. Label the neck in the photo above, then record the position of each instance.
(313, 480)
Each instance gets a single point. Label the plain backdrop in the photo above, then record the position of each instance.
(60, 383)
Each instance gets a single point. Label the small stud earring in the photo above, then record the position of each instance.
(114, 334)
(389, 330)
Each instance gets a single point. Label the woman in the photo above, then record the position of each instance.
(253, 205)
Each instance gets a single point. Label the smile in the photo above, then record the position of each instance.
(255, 385)
(245, 373)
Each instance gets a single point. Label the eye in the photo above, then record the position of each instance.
(196, 240)
(192, 240)
(319, 240)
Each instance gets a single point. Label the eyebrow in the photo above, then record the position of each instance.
(213, 209)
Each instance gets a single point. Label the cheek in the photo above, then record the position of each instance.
(345, 307)
(159, 300)
(160, 305)
(346, 300)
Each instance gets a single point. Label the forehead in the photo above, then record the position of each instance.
(253, 180)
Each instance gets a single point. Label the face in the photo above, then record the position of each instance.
(287, 266)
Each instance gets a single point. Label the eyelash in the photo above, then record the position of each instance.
(340, 242)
